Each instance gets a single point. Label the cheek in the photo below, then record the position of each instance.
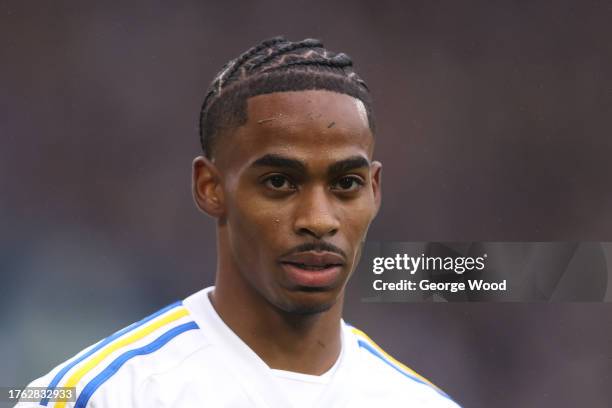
(254, 223)
(356, 220)
(359, 215)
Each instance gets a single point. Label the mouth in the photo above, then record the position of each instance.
(308, 276)
(307, 267)
(313, 269)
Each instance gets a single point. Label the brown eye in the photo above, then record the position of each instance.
(279, 182)
(348, 184)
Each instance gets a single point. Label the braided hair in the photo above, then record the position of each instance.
(275, 65)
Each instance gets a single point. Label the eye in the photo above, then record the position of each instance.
(348, 184)
(279, 182)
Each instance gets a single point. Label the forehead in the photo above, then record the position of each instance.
(302, 124)
(306, 103)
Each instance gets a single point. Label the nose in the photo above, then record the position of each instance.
(315, 214)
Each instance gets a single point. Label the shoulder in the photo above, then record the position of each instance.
(110, 372)
(381, 372)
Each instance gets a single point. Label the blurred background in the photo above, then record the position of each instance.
(494, 123)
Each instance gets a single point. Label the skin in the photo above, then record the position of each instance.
(272, 187)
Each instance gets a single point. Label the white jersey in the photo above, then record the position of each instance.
(186, 356)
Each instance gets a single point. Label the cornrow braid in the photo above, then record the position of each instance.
(332, 63)
(254, 50)
(275, 65)
(232, 66)
(307, 43)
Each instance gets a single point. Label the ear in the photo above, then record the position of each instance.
(376, 171)
(206, 187)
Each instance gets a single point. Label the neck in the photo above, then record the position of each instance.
(304, 343)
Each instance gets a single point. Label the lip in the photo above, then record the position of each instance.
(319, 278)
(313, 269)
(314, 259)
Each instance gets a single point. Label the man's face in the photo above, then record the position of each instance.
(300, 190)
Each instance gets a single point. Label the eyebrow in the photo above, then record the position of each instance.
(351, 163)
(275, 160)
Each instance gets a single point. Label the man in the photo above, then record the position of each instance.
(287, 172)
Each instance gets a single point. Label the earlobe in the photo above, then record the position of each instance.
(206, 187)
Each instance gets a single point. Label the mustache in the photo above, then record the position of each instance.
(320, 246)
